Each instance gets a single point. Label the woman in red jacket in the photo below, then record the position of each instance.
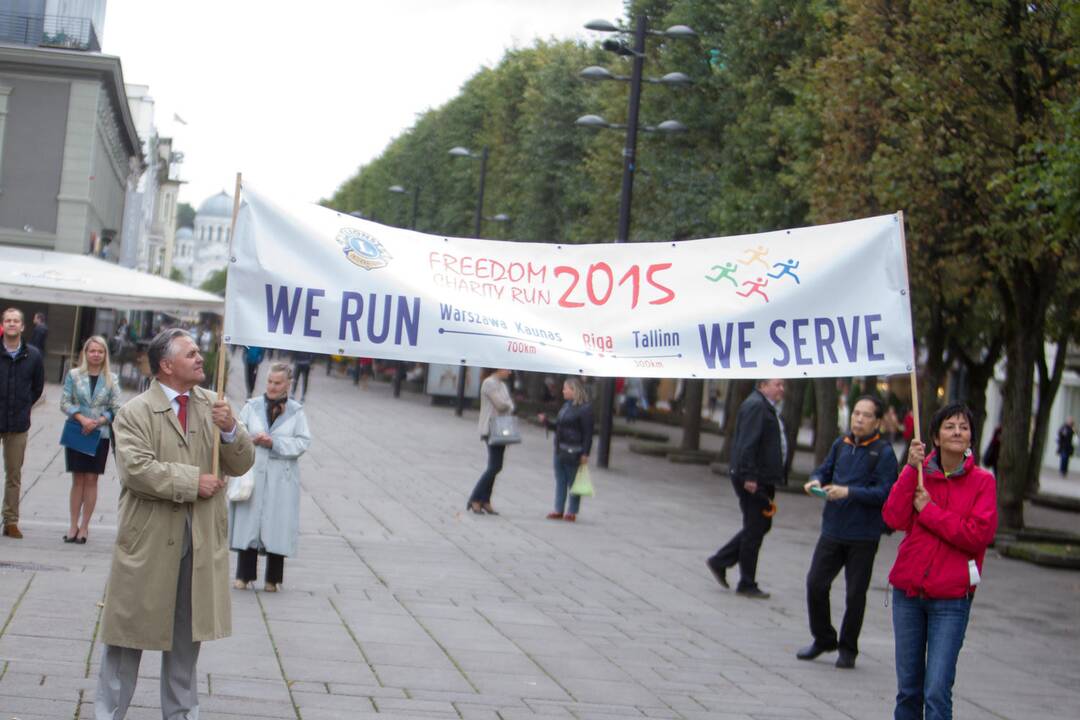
(949, 522)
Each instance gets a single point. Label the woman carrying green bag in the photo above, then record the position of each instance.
(573, 440)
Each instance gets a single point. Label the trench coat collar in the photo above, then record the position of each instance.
(160, 403)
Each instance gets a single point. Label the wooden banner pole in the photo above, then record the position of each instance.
(914, 361)
(219, 378)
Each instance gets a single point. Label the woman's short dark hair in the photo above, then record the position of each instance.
(161, 347)
(879, 407)
(950, 411)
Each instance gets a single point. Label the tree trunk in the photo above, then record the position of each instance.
(933, 375)
(693, 390)
(825, 415)
(1024, 298)
(738, 390)
(1049, 382)
(977, 377)
(792, 416)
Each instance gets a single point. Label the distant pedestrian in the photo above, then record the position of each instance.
(856, 476)
(91, 397)
(757, 467)
(268, 522)
(301, 370)
(948, 522)
(633, 398)
(168, 587)
(22, 380)
(573, 441)
(364, 369)
(253, 357)
(495, 401)
(1065, 444)
(40, 333)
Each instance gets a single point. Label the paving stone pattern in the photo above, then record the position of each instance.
(401, 605)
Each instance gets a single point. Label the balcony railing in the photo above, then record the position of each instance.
(70, 33)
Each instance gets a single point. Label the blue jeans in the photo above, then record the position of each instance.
(486, 484)
(929, 634)
(564, 480)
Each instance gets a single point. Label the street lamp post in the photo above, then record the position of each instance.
(415, 201)
(637, 53)
(482, 156)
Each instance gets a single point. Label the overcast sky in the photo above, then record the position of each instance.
(297, 96)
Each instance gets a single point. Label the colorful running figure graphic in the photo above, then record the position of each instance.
(756, 286)
(724, 273)
(786, 269)
(757, 255)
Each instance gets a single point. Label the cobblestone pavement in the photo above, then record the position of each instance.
(399, 604)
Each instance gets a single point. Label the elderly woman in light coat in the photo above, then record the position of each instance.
(268, 522)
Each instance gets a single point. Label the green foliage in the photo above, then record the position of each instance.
(215, 283)
(176, 276)
(185, 215)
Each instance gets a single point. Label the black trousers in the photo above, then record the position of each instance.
(857, 561)
(247, 566)
(251, 373)
(745, 546)
(302, 371)
(486, 484)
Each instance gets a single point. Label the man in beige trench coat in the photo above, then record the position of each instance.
(169, 583)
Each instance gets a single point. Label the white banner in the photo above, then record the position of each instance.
(821, 301)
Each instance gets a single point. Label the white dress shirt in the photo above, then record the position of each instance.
(226, 437)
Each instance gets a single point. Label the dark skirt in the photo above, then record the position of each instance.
(81, 463)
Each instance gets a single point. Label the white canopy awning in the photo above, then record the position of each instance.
(67, 279)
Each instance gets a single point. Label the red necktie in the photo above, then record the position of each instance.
(182, 415)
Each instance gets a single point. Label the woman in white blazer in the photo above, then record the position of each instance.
(91, 398)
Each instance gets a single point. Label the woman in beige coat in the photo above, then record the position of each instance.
(494, 400)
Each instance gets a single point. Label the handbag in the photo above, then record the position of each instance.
(582, 486)
(503, 430)
(569, 453)
(72, 437)
(240, 488)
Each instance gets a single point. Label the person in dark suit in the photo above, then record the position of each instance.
(40, 333)
(856, 477)
(757, 467)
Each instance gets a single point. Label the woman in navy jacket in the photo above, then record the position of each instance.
(573, 440)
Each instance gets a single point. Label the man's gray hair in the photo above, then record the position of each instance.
(161, 347)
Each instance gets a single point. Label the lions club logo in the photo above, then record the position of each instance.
(363, 250)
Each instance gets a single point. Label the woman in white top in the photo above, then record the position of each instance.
(494, 400)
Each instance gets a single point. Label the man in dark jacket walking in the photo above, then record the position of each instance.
(854, 481)
(22, 378)
(759, 450)
(40, 333)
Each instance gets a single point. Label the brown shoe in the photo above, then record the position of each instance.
(570, 517)
(554, 516)
(12, 531)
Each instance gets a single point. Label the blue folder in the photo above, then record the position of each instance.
(73, 438)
